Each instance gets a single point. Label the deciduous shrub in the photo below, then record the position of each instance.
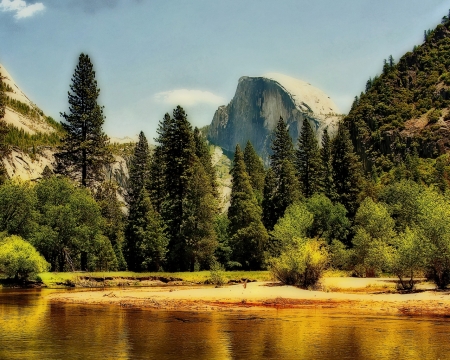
(300, 263)
(19, 259)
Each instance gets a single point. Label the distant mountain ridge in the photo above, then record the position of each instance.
(257, 106)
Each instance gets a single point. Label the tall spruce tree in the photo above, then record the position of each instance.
(203, 154)
(283, 180)
(308, 162)
(147, 242)
(248, 237)
(3, 131)
(327, 170)
(84, 149)
(347, 171)
(139, 170)
(255, 170)
(199, 211)
(282, 147)
(155, 183)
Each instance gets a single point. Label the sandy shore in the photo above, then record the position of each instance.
(344, 294)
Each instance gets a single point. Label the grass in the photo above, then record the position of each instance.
(52, 279)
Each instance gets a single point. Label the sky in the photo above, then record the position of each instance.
(151, 55)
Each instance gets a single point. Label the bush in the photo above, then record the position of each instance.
(19, 259)
(301, 263)
(216, 273)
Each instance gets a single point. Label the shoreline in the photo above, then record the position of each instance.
(266, 296)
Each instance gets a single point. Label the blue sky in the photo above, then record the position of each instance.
(150, 55)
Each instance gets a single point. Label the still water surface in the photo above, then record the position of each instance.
(32, 328)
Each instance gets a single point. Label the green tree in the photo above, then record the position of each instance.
(146, 236)
(204, 156)
(17, 204)
(70, 224)
(114, 224)
(248, 236)
(156, 183)
(138, 170)
(178, 157)
(307, 161)
(282, 147)
(281, 188)
(255, 170)
(295, 223)
(19, 259)
(330, 220)
(84, 149)
(434, 222)
(327, 169)
(408, 257)
(199, 211)
(347, 172)
(374, 231)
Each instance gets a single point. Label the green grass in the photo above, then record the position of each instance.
(51, 279)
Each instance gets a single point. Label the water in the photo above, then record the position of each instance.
(32, 328)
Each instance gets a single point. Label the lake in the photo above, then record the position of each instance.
(33, 328)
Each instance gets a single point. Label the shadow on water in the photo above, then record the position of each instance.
(32, 328)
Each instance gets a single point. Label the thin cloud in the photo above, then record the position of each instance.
(21, 8)
(186, 97)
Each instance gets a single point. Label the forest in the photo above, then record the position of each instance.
(360, 200)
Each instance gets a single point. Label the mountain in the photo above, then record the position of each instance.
(406, 108)
(33, 138)
(257, 106)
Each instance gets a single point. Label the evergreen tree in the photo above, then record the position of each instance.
(282, 146)
(146, 236)
(84, 149)
(114, 225)
(139, 170)
(155, 184)
(199, 211)
(270, 216)
(307, 161)
(203, 154)
(255, 170)
(347, 172)
(248, 236)
(327, 170)
(285, 185)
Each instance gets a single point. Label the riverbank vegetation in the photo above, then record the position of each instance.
(315, 208)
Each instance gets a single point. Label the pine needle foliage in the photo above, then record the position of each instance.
(84, 150)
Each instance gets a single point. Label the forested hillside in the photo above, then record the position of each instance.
(405, 109)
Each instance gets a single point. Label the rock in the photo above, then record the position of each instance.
(257, 106)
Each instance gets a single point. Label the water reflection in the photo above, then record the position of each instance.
(31, 328)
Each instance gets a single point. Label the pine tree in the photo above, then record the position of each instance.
(139, 170)
(327, 170)
(307, 161)
(347, 171)
(282, 147)
(285, 186)
(199, 211)
(146, 245)
(111, 210)
(203, 154)
(84, 150)
(247, 233)
(270, 214)
(155, 183)
(255, 170)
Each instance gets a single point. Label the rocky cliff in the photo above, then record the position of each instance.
(257, 106)
(23, 114)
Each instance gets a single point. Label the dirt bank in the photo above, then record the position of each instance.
(343, 294)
